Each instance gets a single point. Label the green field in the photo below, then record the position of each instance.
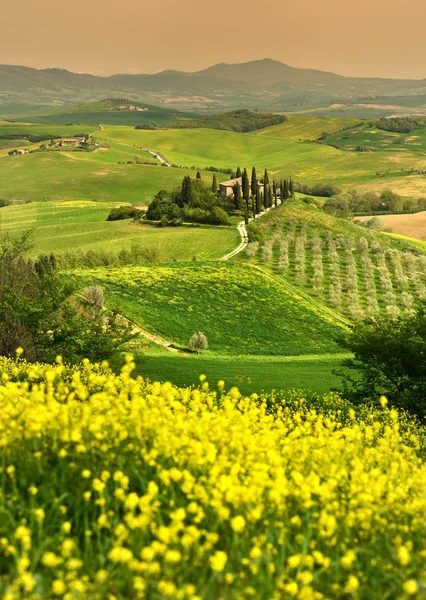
(240, 309)
(107, 112)
(308, 128)
(67, 225)
(308, 162)
(250, 374)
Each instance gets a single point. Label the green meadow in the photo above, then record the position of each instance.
(306, 161)
(81, 225)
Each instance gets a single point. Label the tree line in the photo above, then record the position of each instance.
(240, 121)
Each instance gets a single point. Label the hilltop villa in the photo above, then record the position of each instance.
(226, 188)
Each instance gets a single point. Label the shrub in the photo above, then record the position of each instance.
(94, 296)
(389, 356)
(198, 342)
(255, 232)
(125, 212)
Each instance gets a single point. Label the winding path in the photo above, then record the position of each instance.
(242, 230)
(162, 160)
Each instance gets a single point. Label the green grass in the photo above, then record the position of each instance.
(305, 161)
(60, 226)
(97, 176)
(107, 113)
(308, 128)
(240, 309)
(378, 139)
(249, 373)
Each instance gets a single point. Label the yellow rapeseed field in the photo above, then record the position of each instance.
(118, 488)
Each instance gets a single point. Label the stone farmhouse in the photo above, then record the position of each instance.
(66, 142)
(226, 188)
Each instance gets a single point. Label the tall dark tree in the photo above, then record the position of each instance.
(258, 198)
(253, 206)
(291, 188)
(266, 177)
(253, 181)
(238, 174)
(214, 184)
(275, 192)
(245, 186)
(238, 199)
(270, 197)
(286, 190)
(198, 175)
(186, 192)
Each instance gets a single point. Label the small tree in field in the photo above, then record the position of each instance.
(94, 296)
(198, 342)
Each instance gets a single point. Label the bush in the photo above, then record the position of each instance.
(125, 212)
(198, 342)
(255, 232)
(324, 190)
(389, 358)
(94, 296)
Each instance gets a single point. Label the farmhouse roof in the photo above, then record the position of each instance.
(232, 182)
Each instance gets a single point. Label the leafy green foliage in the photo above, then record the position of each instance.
(241, 121)
(38, 314)
(125, 212)
(389, 356)
(194, 202)
(399, 124)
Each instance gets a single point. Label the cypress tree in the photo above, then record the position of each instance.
(198, 175)
(258, 199)
(291, 188)
(186, 192)
(214, 184)
(253, 207)
(237, 196)
(238, 173)
(266, 177)
(246, 195)
(286, 190)
(253, 181)
(270, 197)
(275, 192)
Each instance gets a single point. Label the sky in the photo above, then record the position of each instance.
(378, 38)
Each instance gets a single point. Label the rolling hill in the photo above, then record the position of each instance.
(263, 83)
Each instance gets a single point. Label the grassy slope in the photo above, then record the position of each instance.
(107, 113)
(308, 128)
(282, 156)
(240, 309)
(84, 176)
(82, 225)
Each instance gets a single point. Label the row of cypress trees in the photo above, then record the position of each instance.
(260, 197)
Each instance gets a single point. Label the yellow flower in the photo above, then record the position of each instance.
(403, 555)
(66, 527)
(120, 554)
(101, 576)
(218, 561)
(411, 587)
(32, 490)
(173, 556)
(39, 514)
(238, 524)
(58, 587)
(50, 559)
(86, 473)
(352, 584)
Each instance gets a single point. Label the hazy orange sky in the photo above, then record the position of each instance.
(383, 38)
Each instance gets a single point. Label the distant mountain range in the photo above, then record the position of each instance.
(262, 83)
